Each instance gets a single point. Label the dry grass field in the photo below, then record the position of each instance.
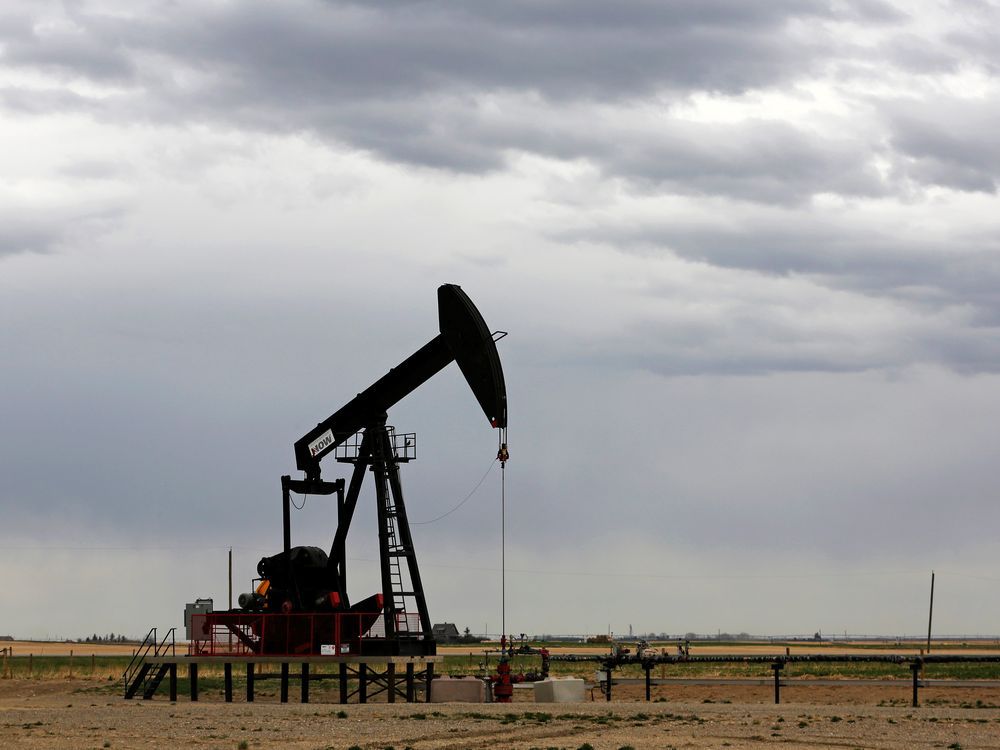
(63, 648)
(86, 710)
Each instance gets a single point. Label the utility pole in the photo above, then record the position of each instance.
(930, 616)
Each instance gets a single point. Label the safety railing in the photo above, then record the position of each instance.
(404, 446)
(148, 644)
(262, 634)
(164, 647)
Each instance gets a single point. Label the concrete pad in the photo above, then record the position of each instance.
(457, 690)
(566, 690)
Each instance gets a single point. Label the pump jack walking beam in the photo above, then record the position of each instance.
(464, 338)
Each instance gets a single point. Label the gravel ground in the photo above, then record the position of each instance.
(83, 714)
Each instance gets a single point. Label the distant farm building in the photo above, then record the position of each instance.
(446, 632)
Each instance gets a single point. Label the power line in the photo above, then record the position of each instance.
(474, 489)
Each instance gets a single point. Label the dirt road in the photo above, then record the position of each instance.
(91, 714)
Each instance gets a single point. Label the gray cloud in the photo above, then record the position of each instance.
(19, 235)
(563, 50)
(949, 142)
(730, 339)
(24, 230)
(71, 49)
(457, 87)
(928, 298)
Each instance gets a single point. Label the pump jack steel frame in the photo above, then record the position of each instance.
(463, 338)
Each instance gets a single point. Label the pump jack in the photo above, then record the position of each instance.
(307, 580)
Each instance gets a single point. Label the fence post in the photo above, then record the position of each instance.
(777, 681)
(31, 665)
(71, 664)
(93, 664)
(915, 667)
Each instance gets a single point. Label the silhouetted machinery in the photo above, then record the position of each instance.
(301, 580)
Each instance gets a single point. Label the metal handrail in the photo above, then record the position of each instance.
(136, 664)
(249, 633)
(161, 650)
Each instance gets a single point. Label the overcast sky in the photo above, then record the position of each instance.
(748, 255)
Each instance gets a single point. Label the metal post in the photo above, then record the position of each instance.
(430, 677)
(193, 679)
(230, 578)
(343, 683)
(930, 616)
(607, 676)
(390, 681)
(915, 668)
(286, 524)
(284, 682)
(305, 682)
(362, 683)
(409, 682)
(227, 670)
(250, 668)
(777, 681)
(173, 683)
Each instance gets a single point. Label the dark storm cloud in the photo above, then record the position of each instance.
(563, 50)
(882, 261)
(923, 277)
(460, 87)
(764, 161)
(74, 52)
(34, 102)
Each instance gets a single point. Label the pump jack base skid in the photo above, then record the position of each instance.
(359, 678)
